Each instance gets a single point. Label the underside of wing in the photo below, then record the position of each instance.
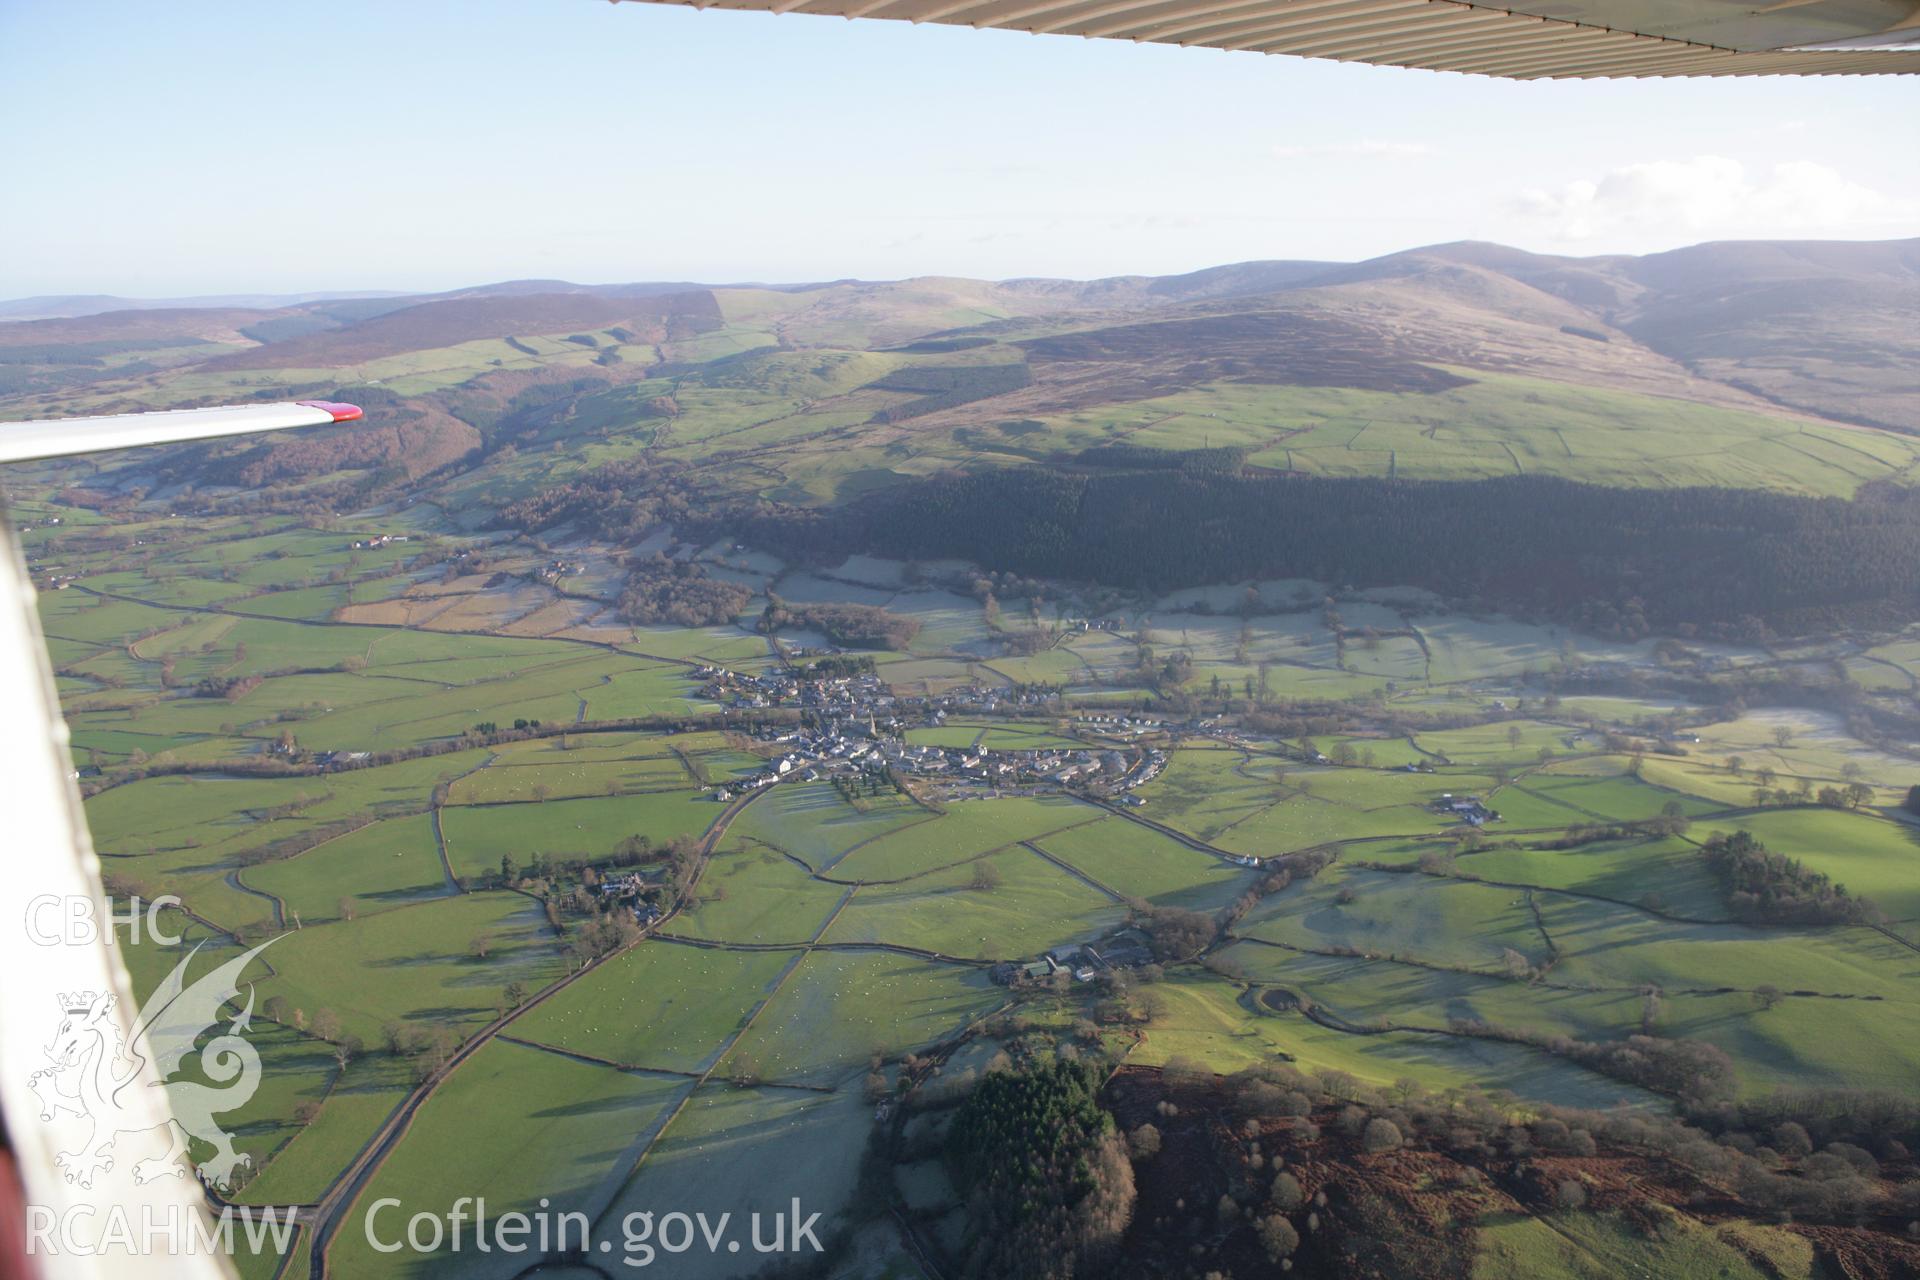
(60, 437)
(1519, 39)
(48, 970)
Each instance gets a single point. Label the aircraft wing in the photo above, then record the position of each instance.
(1515, 39)
(59, 437)
(44, 961)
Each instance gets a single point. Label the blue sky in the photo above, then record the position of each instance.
(220, 146)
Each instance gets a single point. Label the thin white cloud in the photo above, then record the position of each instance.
(1715, 197)
(1366, 148)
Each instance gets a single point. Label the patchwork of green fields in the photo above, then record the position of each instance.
(729, 1054)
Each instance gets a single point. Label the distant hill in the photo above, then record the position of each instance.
(155, 326)
(1716, 264)
(457, 320)
(633, 289)
(1829, 326)
(1235, 280)
(357, 304)
(1832, 327)
(1709, 365)
(1589, 283)
(68, 306)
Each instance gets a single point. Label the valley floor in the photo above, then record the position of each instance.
(432, 761)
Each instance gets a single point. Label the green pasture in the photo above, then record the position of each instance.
(1400, 914)
(966, 830)
(294, 1069)
(376, 868)
(520, 1126)
(1668, 873)
(1008, 906)
(1510, 742)
(1586, 1246)
(838, 1009)
(1137, 861)
(1557, 799)
(661, 1006)
(532, 777)
(1872, 856)
(750, 892)
(478, 836)
(356, 1103)
(1208, 1021)
(748, 1151)
(416, 964)
(1367, 993)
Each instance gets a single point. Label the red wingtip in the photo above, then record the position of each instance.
(340, 412)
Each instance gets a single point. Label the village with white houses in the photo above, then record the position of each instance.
(854, 725)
